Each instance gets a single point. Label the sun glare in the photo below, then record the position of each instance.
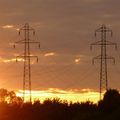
(69, 95)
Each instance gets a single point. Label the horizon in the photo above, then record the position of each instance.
(71, 95)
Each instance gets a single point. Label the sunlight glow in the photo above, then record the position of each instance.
(69, 95)
(2, 60)
(7, 26)
(77, 60)
(50, 54)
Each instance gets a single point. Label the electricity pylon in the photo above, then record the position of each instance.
(103, 57)
(26, 31)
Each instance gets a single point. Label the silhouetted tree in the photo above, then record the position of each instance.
(9, 97)
(111, 100)
(3, 94)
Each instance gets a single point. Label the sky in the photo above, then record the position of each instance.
(65, 29)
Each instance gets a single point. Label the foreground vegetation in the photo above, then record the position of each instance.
(13, 108)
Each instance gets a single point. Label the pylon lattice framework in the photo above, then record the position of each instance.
(103, 57)
(26, 30)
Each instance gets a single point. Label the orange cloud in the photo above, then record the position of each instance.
(7, 26)
(10, 60)
(77, 60)
(10, 27)
(49, 54)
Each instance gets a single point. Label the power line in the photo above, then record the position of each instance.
(26, 31)
(103, 57)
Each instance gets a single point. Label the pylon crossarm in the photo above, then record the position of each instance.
(23, 56)
(98, 30)
(93, 44)
(111, 58)
(111, 43)
(30, 29)
(106, 43)
(96, 58)
(109, 31)
(28, 42)
(19, 42)
(19, 57)
(103, 29)
(25, 28)
(97, 43)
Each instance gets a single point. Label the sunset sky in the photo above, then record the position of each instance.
(65, 29)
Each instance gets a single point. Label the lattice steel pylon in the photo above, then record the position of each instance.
(103, 57)
(26, 31)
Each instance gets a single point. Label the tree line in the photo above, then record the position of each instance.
(12, 107)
